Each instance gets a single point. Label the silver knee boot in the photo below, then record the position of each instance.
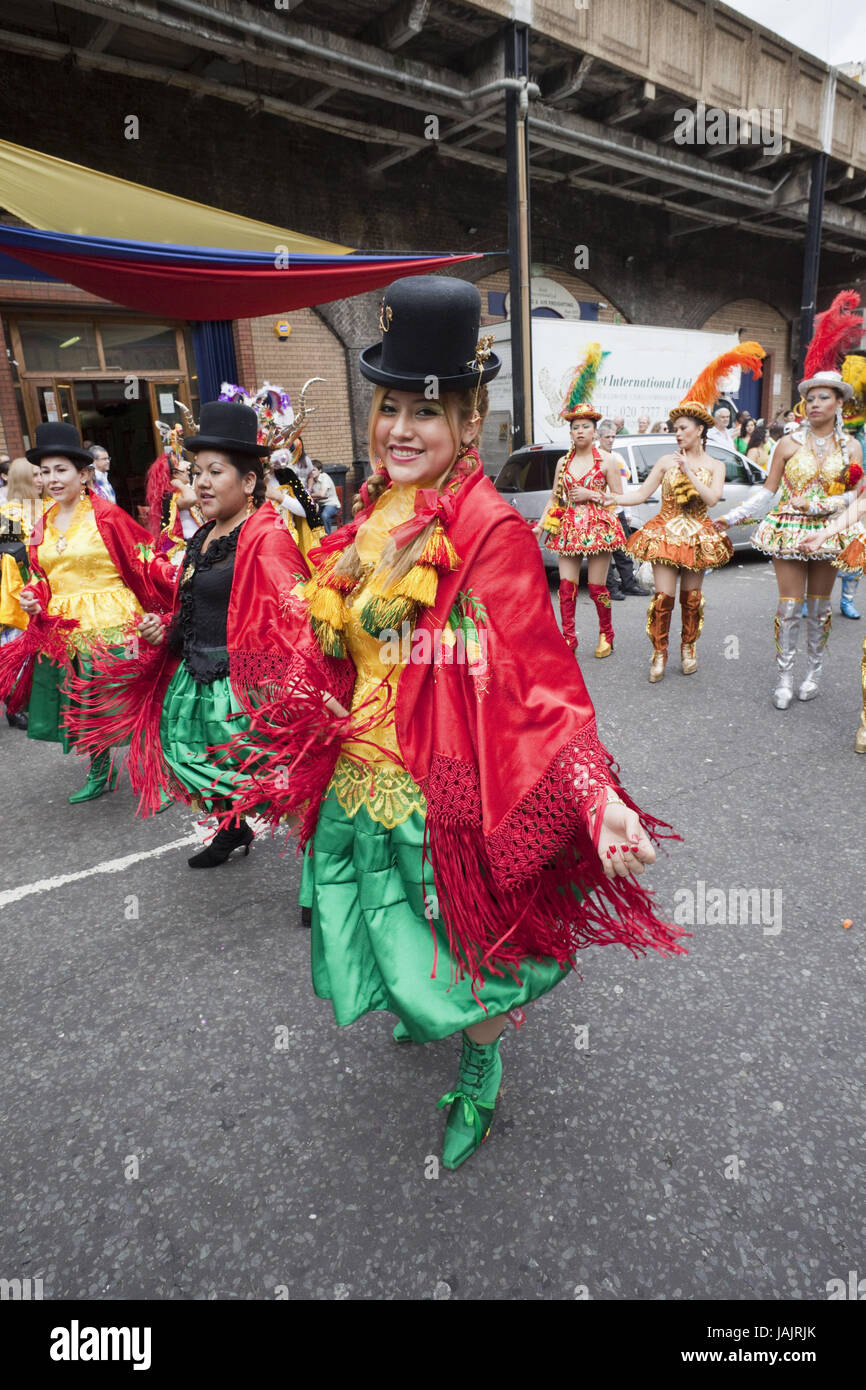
(819, 616)
(787, 626)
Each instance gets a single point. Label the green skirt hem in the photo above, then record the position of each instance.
(377, 942)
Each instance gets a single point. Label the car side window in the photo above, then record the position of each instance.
(646, 456)
(736, 468)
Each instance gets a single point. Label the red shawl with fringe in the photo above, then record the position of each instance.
(151, 579)
(502, 740)
(125, 695)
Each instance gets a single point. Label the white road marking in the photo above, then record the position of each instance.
(109, 866)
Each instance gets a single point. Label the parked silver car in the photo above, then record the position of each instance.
(526, 478)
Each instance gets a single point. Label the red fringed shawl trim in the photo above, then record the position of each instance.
(534, 885)
(286, 757)
(43, 636)
(122, 701)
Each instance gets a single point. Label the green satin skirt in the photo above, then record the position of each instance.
(49, 700)
(195, 718)
(372, 944)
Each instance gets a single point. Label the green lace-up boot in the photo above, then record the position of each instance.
(102, 776)
(472, 1101)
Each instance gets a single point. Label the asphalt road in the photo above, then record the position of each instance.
(182, 1119)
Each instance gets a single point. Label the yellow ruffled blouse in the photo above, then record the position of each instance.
(366, 775)
(84, 582)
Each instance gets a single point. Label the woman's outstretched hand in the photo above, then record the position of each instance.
(623, 848)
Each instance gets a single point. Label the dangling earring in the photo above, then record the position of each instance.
(250, 507)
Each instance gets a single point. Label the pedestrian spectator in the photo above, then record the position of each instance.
(660, 427)
(643, 424)
(790, 417)
(744, 434)
(621, 578)
(721, 432)
(759, 447)
(101, 465)
(321, 489)
(619, 423)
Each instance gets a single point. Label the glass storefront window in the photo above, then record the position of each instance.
(58, 345)
(139, 347)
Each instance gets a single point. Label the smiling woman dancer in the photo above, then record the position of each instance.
(811, 470)
(576, 521)
(466, 834)
(680, 539)
(92, 574)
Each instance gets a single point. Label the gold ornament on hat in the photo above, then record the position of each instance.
(483, 349)
(386, 313)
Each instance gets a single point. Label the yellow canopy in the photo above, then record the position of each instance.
(54, 195)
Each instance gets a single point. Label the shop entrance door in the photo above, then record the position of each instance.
(116, 415)
(51, 399)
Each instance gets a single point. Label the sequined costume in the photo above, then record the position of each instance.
(585, 528)
(681, 534)
(815, 485)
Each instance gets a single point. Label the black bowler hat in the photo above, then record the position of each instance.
(229, 426)
(62, 440)
(429, 329)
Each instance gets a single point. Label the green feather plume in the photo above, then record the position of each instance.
(582, 384)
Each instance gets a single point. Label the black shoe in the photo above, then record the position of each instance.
(638, 590)
(616, 594)
(16, 721)
(307, 917)
(221, 846)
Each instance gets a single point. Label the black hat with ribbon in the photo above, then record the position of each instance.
(229, 426)
(430, 329)
(57, 439)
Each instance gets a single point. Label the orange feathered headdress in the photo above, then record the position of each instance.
(705, 388)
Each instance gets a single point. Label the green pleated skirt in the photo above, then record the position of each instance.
(372, 938)
(49, 700)
(196, 718)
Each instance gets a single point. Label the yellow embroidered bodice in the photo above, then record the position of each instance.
(364, 775)
(809, 480)
(84, 582)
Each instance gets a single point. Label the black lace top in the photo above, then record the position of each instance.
(199, 629)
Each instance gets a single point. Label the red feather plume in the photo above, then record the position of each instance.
(837, 331)
(705, 389)
(158, 484)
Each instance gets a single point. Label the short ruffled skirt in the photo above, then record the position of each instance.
(378, 944)
(690, 543)
(587, 530)
(197, 718)
(852, 560)
(779, 536)
(107, 611)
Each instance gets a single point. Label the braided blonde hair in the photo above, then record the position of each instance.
(459, 407)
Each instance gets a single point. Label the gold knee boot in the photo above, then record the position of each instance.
(658, 623)
(692, 604)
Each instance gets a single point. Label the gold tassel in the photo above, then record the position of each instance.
(419, 585)
(438, 550)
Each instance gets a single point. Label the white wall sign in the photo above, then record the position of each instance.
(647, 372)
